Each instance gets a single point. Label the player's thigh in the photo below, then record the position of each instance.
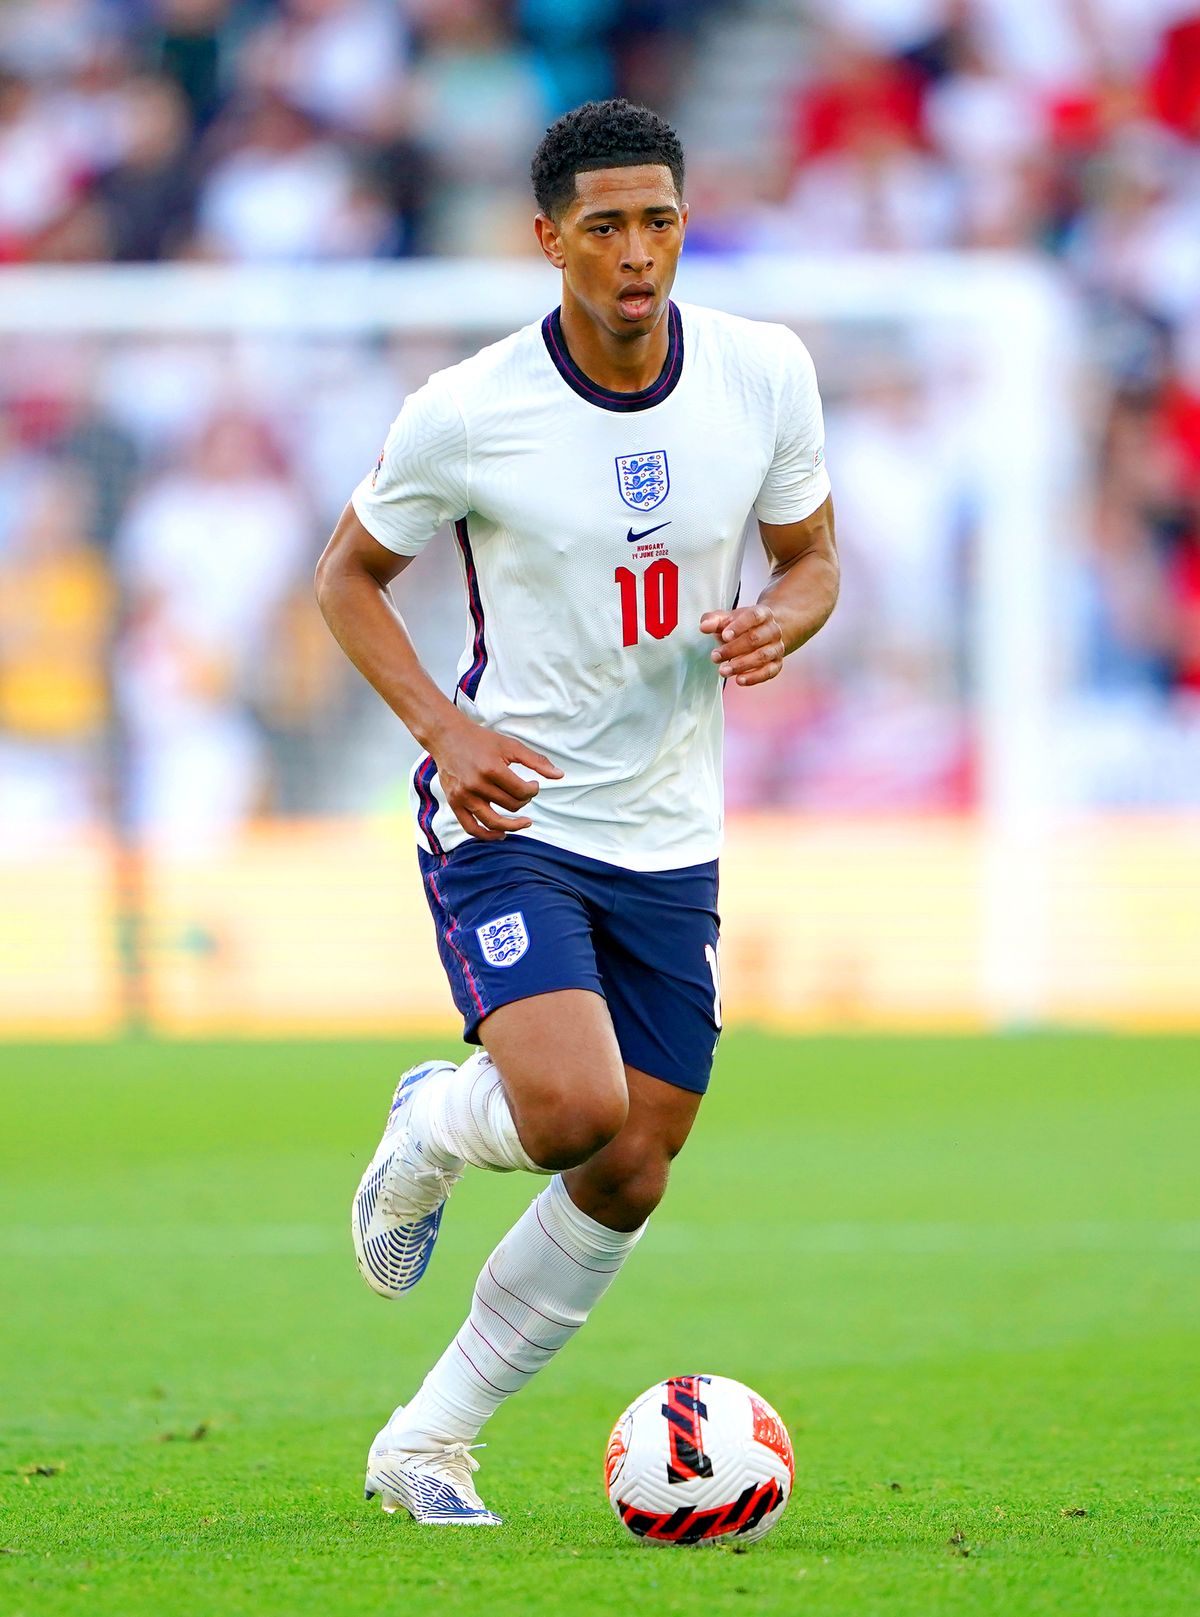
(561, 1068)
(515, 937)
(656, 950)
(624, 1182)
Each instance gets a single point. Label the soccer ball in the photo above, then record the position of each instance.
(697, 1459)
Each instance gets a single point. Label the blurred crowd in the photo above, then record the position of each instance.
(139, 478)
(298, 129)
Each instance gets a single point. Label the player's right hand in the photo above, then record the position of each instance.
(473, 767)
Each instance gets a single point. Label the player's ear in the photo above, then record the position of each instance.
(549, 240)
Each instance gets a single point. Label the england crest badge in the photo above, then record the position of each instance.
(503, 940)
(644, 480)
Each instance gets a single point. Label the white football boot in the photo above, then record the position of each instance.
(434, 1487)
(398, 1205)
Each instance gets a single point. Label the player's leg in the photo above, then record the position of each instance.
(515, 936)
(535, 1291)
(657, 938)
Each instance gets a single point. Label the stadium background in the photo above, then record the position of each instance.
(961, 1265)
(202, 808)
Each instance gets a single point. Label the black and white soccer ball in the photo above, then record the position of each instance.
(697, 1459)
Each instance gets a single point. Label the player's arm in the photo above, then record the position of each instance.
(352, 586)
(798, 599)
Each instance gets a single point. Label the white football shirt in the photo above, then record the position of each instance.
(594, 528)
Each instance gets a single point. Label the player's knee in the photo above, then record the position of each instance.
(570, 1130)
(635, 1194)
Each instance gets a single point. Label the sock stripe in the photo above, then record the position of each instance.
(563, 1324)
(520, 1369)
(542, 1347)
(505, 1392)
(591, 1267)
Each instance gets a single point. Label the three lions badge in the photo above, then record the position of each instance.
(644, 480)
(504, 940)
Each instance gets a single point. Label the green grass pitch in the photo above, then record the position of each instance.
(965, 1271)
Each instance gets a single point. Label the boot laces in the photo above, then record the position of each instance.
(455, 1464)
(431, 1183)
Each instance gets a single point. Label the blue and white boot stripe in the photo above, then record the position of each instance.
(429, 1500)
(396, 1259)
(393, 1260)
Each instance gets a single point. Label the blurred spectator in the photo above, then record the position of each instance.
(48, 40)
(855, 91)
(1063, 45)
(19, 472)
(1128, 601)
(56, 604)
(285, 192)
(992, 131)
(1175, 79)
(193, 43)
(299, 695)
(39, 169)
(901, 500)
(863, 180)
(879, 193)
(479, 109)
(336, 60)
(572, 42)
(207, 556)
(147, 198)
(894, 29)
(1139, 242)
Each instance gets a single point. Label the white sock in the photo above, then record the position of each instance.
(463, 1116)
(536, 1290)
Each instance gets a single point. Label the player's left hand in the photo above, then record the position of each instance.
(750, 645)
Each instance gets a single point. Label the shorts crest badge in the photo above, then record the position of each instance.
(504, 940)
(644, 480)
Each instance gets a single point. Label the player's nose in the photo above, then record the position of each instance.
(637, 259)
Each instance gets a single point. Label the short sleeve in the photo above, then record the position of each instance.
(420, 478)
(796, 482)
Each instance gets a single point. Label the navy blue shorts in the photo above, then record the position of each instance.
(517, 918)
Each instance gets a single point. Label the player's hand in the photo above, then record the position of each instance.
(750, 644)
(473, 767)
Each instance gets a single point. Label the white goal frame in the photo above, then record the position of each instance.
(1018, 324)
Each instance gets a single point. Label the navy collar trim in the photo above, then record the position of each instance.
(604, 397)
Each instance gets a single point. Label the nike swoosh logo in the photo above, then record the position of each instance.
(645, 533)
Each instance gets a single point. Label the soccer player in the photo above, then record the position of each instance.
(599, 470)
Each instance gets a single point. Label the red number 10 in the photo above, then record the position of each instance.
(660, 590)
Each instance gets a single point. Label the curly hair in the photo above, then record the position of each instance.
(600, 134)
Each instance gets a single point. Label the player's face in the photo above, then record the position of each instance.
(618, 244)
